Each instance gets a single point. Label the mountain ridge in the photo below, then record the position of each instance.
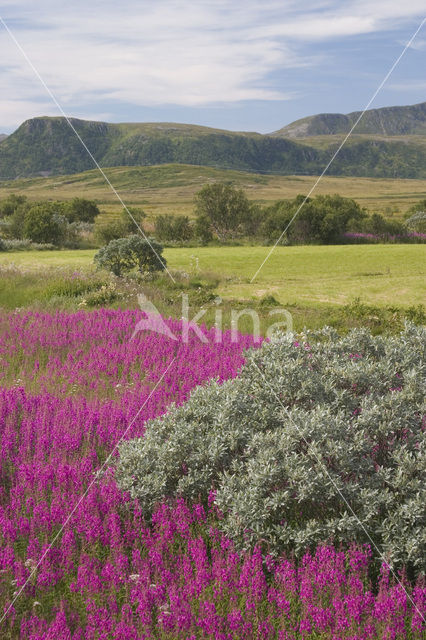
(48, 146)
(388, 121)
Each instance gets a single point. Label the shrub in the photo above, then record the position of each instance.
(170, 228)
(42, 225)
(72, 286)
(10, 204)
(131, 220)
(319, 220)
(115, 257)
(79, 235)
(105, 232)
(106, 294)
(124, 254)
(301, 420)
(80, 210)
(27, 245)
(147, 254)
(417, 222)
(14, 223)
(2, 245)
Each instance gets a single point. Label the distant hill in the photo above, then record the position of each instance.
(388, 121)
(48, 146)
(45, 146)
(3, 136)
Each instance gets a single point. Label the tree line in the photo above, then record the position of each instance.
(46, 223)
(223, 215)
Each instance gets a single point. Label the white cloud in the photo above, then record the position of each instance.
(407, 86)
(417, 45)
(171, 51)
(14, 112)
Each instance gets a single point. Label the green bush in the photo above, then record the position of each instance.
(124, 254)
(106, 294)
(58, 223)
(27, 245)
(302, 422)
(318, 220)
(10, 204)
(80, 210)
(106, 231)
(43, 225)
(72, 287)
(170, 228)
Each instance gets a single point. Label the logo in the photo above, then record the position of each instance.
(153, 321)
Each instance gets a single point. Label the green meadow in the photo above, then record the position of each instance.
(376, 274)
(310, 275)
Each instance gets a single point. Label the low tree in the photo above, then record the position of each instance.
(203, 229)
(10, 204)
(336, 213)
(182, 229)
(14, 224)
(170, 228)
(80, 210)
(252, 221)
(124, 254)
(42, 224)
(131, 220)
(319, 220)
(224, 207)
(105, 232)
(378, 225)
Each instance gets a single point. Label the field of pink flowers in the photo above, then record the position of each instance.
(70, 384)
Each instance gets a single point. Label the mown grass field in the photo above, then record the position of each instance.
(311, 275)
(171, 188)
(377, 274)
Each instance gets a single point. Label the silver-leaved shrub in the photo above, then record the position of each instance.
(319, 438)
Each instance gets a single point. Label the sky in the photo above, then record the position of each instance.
(242, 65)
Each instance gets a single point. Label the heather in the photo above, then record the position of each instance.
(71, 383)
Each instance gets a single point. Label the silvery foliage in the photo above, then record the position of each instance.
(309, 443)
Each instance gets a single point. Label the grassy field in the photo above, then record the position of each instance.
(171, 188)
(310, 275)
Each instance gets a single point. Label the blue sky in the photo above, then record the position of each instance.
(240, 65)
